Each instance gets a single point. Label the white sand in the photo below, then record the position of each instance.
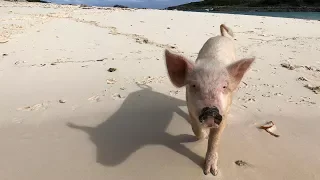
(125, 137)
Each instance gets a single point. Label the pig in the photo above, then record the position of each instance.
(210, 83)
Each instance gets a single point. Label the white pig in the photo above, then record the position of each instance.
(210, 82)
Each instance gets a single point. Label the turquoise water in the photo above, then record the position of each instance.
(153, 4)
(159, 4)
(298, 15)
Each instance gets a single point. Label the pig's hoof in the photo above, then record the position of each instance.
(211, 167)
(214, 171)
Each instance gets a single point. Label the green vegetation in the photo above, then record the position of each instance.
(284, 2)
(258, 5)
(256, 2)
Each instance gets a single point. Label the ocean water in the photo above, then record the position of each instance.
(153, 4)
(160, 4)
(297, 15)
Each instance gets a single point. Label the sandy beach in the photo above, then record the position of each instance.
(85, 95)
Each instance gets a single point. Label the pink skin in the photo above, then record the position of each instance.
(209, 83)
(206, 88)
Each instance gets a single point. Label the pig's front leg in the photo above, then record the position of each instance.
(211, 161)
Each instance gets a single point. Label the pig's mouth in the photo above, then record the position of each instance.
(210, 116)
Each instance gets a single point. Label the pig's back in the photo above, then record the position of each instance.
(217, 48)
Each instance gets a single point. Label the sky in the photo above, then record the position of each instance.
(154, 4)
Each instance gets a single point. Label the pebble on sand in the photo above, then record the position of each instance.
(112, 69)
(62, 101)
(241, 163)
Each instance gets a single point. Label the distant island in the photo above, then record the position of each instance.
(234, 5)
(251, 5)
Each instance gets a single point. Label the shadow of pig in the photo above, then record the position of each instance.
(141, 120)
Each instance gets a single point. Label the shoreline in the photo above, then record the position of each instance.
(196, 7)
(246, 8)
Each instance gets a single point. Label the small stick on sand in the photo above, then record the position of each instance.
(269, 127)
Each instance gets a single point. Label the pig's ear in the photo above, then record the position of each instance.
(237, 70)
(178, 67)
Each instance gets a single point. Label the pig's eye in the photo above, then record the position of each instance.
(194, 86)
(225, 86)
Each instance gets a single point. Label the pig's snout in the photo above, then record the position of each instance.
(210, 112)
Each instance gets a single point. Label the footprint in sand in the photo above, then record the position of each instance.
(117, 96)
(17, 120)
(174, 92)
(111, 81)
(35, 107)
(315, 89)
(94, 98)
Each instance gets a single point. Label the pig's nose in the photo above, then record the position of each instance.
(207, 112)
